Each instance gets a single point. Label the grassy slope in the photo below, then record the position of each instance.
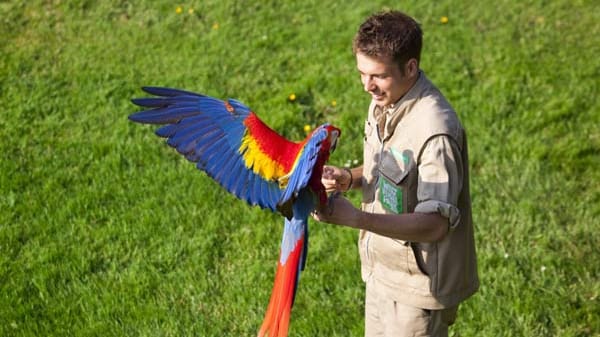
(105, 231)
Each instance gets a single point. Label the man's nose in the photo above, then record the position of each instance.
(368, 83)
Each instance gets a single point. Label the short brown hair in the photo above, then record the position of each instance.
(392, 34)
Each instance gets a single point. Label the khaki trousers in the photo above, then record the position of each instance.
(387, 318)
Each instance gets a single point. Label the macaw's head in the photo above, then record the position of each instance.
(333, 134)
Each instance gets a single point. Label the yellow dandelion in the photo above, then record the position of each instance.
(215, 26)
(444, 19)
(178, 10)
(191, 11)
(307, 128)
(292, 97)
(333, 103)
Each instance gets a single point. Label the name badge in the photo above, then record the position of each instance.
(390, 195)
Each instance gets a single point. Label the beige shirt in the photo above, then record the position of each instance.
(416, 160)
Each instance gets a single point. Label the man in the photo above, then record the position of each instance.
(416, 239)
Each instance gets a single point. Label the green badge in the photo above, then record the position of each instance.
(390, 195)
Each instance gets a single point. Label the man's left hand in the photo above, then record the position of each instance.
(339, 211)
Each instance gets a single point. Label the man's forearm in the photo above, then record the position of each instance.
(417, 227)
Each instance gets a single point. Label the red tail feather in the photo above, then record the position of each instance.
(277, 317)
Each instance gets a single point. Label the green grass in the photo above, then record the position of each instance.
(105, 231)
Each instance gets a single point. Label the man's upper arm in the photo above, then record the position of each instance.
(440, 179)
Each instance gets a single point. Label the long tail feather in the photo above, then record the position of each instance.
(291, 262)
(277, 317)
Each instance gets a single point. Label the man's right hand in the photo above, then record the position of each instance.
(335, 179)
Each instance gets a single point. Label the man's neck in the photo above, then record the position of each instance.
(395, 104)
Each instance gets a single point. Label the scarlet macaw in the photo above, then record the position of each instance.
(250, 160)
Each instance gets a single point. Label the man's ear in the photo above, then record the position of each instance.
(411, 68)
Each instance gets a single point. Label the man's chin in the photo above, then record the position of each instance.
(380, 100)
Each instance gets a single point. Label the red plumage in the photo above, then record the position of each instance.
(272, 144)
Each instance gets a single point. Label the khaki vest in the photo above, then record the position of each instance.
(427, 275)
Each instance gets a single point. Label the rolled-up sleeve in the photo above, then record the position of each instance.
(440, 179)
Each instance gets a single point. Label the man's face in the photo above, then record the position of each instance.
(382, 78)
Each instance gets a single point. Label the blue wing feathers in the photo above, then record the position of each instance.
(149, 102)
(194, 133)
(253, 188)
(167, 130)
(254, 192)
(192, 156)
(210, 157)
(223, 170)
(192, 142)
(170, 129)
(164, 115)
(153, 102)
(201, 149)
(169, 92)
(185, 133)
(239, 188)
(273, 193)
(245, 188)
(213, 156)
(200, 164)
(229, 181)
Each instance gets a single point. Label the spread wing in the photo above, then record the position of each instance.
(231, 144)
